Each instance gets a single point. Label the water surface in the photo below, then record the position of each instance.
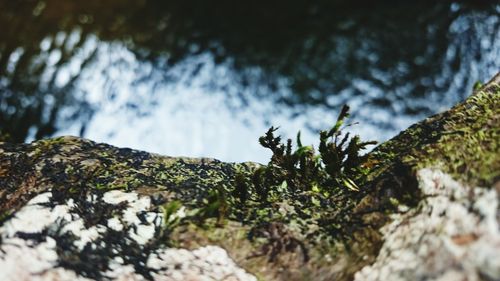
(206, 78)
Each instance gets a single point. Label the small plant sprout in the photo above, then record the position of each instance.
(173, 212)
(299, 193)
(338, 163)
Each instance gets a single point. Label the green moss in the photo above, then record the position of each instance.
(299, 197)
(4, 216)
(330, 204)
(477, 85)
(463, 141)
(468, 148)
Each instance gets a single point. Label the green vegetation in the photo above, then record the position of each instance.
(463, 141)
(299, 196)
(322, 206)
(338, 164)
(470, 148)
(306, 193)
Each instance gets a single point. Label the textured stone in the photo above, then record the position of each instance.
(453, 234)
(30, 250)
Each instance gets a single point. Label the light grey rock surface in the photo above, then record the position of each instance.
(31, 244)
(452, 235)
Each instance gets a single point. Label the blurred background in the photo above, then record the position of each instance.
(207, 78)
